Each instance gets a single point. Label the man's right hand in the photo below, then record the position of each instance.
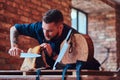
(14, 51)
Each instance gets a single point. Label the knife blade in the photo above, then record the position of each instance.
(29, 55)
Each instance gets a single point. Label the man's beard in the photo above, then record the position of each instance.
(53, 38)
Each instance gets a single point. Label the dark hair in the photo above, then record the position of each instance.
(53, 15)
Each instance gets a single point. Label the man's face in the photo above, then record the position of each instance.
(50, 30)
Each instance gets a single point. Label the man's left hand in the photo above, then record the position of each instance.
(47, 47)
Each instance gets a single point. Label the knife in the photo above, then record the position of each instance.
(63, 49)
(29, 55)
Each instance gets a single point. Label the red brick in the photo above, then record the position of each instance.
(2, 1)
(11, 9)
(31, 5)
(1, 5)
(36, 2)
(4, 55)
(36, 13)
(2, 11)
(23, 18)
(11, 14)
(5, 67)
(2, 61)
(4, 42)
(46, 6)
(12, 3)
(2, 18)
(14, 60)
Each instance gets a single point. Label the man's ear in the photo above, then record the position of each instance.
(60, 28)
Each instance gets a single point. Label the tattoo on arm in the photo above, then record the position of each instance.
(14, 37)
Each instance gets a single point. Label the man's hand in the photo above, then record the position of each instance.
(47, 47)
(14, 51)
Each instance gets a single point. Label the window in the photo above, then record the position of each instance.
(79, 20)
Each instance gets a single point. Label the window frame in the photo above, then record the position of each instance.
(77, 23)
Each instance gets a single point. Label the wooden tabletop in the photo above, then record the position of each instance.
(59, 72)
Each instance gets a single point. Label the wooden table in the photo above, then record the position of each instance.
(56, 75)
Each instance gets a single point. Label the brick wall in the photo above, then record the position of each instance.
(24, 11)
(103, 33)
(112, 41)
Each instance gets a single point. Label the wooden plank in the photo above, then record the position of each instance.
(59, 72)
(56, 75)
(33, 77)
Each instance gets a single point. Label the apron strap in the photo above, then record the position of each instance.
(38, 74)
(64, 71)
(78, 68)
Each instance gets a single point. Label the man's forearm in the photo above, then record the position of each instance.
(13, 37)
